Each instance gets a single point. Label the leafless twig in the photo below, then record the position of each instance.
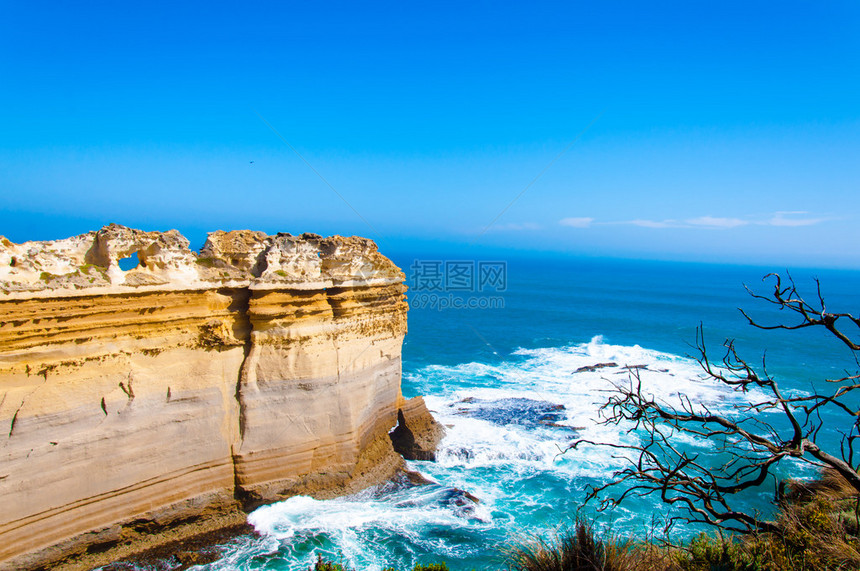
(745, 444)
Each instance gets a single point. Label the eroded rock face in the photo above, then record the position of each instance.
(241, 258)
(191, 387)
(417, 433)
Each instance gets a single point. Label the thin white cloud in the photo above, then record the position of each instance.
(708, 222)
(791, 219)
(716, 222)
(654, 223)
(582, 222)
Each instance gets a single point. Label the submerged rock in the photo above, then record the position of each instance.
(595, 367)
(417, 478)
(516, 411)
(461, 502)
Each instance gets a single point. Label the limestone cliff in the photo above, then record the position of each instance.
(190, 387)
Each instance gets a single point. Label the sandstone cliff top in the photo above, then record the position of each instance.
(89, 263)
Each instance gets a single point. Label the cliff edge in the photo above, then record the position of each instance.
(172, 397)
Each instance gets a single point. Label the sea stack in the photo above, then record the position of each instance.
(176, 395)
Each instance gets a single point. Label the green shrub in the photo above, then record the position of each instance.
(711, 553)
(323, 565)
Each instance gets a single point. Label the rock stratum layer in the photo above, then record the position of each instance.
(191, 387)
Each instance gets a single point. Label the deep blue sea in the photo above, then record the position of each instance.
(502, 377)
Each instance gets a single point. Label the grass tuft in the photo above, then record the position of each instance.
(579, 549)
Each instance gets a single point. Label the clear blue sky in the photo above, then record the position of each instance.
(725, 131)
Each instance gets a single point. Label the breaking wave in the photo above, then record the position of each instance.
(502, 465)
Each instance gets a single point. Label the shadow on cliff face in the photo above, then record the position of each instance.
(183, 554)
(417, 433)
(403, 440)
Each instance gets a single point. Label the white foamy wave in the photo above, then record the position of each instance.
(397, 513)
(503, 463)
(503, 414)
(349, 528)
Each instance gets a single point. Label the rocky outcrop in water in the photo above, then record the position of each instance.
(148, 404)
(417, 433)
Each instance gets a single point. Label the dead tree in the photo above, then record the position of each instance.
(751, 440)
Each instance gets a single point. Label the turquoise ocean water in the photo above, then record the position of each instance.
(503, 380)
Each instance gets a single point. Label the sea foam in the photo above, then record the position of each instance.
(509, 425)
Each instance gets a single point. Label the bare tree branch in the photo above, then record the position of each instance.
(747, 442)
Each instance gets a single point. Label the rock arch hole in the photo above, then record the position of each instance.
(130, 263)
(13, 262)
